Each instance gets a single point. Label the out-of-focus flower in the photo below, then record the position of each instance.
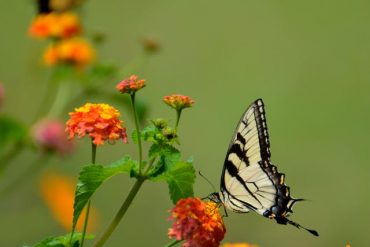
(238, 245)
(348, 245)
(150, 45)
(50, 135)
(99, 121)
(55, 25)
(178, 101)
(57, 191)
(74, 51)
(130, 85)
(2, 92)
(196, 222)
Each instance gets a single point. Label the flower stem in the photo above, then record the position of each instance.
(178, 115)
(121, 212)
(93, 153)
(85, 223)
(138, 132)
(93, 158)
(173, 243)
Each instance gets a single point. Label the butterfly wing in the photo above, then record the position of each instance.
(249, 180)
(242, 178)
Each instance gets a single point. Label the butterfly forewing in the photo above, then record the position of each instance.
(244, 181)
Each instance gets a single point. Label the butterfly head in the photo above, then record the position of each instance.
(215, 197)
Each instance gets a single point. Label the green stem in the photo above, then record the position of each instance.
(138, 132)
(85, 223)
(121, 212)
(93, 153)
(93, 158)
(60, 100)
(173, 243)
(178, 115)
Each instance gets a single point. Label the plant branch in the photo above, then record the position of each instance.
(121, 212)
(138, 133)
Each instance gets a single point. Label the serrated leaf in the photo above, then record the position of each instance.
(62, 241)
(180, 179)
(92, 176)
(168, 157)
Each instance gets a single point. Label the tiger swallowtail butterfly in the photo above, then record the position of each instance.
(249, 181)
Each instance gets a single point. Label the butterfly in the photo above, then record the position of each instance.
(249, 181)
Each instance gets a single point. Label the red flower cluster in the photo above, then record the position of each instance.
(99, 121)
(198, 223)
(130, 85)
(178, 101)
(50, 136)
(55, 25)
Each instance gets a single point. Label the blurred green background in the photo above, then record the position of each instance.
(310, 63)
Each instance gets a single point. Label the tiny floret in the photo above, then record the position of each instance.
(100, 121)
(178, 101)
(196, 222)
(130, 85)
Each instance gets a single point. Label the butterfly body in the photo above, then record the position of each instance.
(249, 181)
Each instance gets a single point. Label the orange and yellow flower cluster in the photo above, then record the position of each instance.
(178, 101)
(100, 121)
(196, 222)
(68, 47)
(55, 25)
(75, 51)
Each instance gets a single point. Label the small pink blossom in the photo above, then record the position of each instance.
(130, 85)
(51, 136)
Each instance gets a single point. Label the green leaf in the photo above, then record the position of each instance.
(61, 241)
(168, 157)
(11, 131)
(92, 176)
(180, 179)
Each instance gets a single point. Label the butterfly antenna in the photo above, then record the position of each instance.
(209, 182)
(313, 232)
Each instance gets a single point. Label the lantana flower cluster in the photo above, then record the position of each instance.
(50, 136)
(67, 47)
(178, 101)
(74, 51)
(100, 121)
(55, 25)
(130, 85)
(196, 222)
